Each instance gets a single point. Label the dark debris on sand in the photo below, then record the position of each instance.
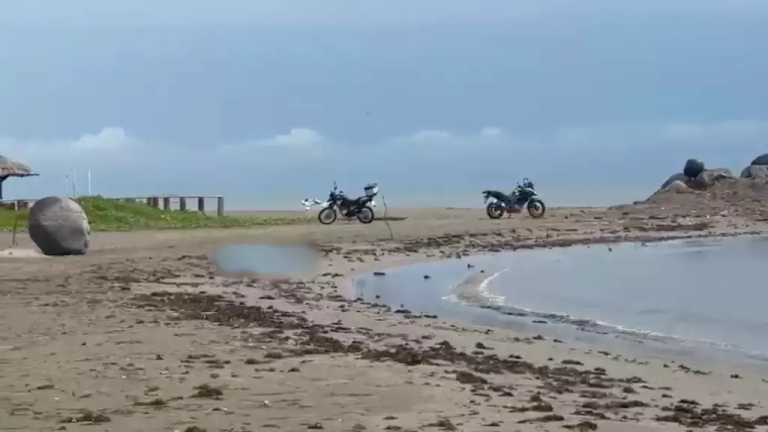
(549, 418)
(443, 424)
(87, 416)
(157, 403)
(316, 339)
(206, 391)
(218, 309)
(313, 339)
(690, 415)
(584, 426)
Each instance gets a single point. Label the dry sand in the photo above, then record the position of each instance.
(143, 335)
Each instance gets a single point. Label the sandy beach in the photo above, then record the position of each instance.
(144, 334)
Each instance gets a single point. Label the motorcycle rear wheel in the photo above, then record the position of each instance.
(366, 215)
(536, 208)
(327, 216)
(494, 210)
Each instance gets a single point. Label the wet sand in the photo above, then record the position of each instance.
(144, 334)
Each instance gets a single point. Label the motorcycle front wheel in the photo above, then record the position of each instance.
(494, 210)
(327, 216)
(536, 208)
(365, 215)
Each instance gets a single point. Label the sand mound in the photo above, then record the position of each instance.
(20, 253)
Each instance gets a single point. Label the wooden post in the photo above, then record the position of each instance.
(201, 204)
(166, 203)
(220, 207)
(182, 204)
(15, 227)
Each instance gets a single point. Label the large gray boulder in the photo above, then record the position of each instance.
(755, 171)
(693, 168)
(59, 226)
(761, 160)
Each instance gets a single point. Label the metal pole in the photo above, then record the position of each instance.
(15, 227)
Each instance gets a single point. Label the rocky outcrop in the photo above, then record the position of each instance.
(761, 160)
(758, 169)
(673, 178)
(59, 226)
(677, 186)
(708, 178)
(704, 180)
(693, 168)
(755, 171)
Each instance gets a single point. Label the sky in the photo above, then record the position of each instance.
(269, 102)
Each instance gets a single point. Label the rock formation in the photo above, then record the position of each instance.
(59, 226)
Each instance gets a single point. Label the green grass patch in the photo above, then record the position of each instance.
(112, 215)
(9, 217)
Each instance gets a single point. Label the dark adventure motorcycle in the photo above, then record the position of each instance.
(524, 195)
(339, 203)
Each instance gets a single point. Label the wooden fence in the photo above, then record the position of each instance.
(176, 202)
(165, 202)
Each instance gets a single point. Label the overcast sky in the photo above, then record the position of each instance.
(270, 101)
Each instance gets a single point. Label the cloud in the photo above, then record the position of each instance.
(428, 136)
(737, 135)
(427, 164)
(300, 140)
(724, 132)
(491, 131)
(445, 137)
(110, 153)
(109, 138)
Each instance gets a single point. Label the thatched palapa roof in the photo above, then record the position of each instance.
(11, 168)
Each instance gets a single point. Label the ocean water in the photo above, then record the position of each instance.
(697, 292)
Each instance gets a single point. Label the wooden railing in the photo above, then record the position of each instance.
(17, 204)
(165, 202)
(179, 202)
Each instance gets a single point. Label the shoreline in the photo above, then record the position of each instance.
(392, 262)
(641, 341)
(145, 322)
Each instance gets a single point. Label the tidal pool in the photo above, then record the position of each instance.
(694, 292)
